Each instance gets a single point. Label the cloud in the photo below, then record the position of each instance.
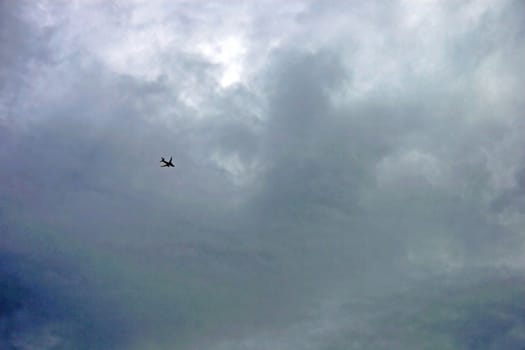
(324, 153)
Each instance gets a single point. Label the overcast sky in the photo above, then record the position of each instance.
(348, 174)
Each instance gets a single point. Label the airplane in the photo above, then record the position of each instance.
(166, 164)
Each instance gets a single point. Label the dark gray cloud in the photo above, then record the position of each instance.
(333, 162)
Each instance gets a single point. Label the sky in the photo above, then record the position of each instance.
(348, 175)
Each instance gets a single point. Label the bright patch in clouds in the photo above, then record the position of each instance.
(229, 54)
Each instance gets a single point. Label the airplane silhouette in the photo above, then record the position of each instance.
(166, 164)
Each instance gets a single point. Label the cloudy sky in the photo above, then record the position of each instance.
(348, 174)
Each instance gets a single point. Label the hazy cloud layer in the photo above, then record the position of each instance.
(339, 168)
